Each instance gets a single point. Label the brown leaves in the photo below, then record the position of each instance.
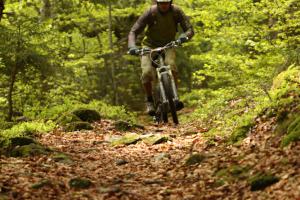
(151, 170)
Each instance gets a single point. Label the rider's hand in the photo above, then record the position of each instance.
(132, 50)
(182, 38)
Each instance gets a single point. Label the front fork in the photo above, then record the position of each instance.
(166, 70)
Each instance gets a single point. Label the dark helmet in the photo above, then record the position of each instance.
(159, 1)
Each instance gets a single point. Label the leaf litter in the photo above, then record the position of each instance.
(148, 170)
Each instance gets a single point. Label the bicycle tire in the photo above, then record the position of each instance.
(164, 113)
(166, 80)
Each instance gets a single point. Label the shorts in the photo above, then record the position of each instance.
(148, 71)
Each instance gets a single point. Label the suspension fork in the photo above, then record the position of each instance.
(173, 85)
(161, 87)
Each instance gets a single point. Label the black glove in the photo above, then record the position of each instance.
(132, 50)
(182, 38)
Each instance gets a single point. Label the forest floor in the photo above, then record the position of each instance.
(141, 171)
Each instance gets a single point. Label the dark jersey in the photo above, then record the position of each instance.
(161, 27)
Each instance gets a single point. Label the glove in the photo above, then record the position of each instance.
(132, 50)
(182, 38)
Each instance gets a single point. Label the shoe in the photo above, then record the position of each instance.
(150, 108)
(179, 105)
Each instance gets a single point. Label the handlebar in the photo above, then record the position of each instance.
(144, 51)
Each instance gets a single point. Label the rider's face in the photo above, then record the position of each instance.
(164, 6)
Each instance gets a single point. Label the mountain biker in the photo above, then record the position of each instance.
(161, 21)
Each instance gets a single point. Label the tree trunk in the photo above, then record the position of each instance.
(45, 10)
(13, 75)
(1, 8)
(113, 80)
(10, 92)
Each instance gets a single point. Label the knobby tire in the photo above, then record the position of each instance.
(166, 80)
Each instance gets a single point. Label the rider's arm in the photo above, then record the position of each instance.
(138, 27)
(184, 22)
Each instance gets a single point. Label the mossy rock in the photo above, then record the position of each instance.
(21, 141)
(121, 125)
(78, 126)
(260, 182)
(127, 139)
(194, 159)
(241, 132)
(29, 150)
(87, 115)
(155, 139)
(293, 133)
(67, 118)
(62, 158)
(80, 183)
(41, 184)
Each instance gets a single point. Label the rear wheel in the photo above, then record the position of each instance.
(166, 80)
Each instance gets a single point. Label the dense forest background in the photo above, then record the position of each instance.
(58, 54)
(71, 103)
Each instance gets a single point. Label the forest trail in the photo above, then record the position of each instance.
(141, 171)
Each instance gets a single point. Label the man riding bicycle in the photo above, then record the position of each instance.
(161, 21)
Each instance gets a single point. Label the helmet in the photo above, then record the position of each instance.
(158, 1)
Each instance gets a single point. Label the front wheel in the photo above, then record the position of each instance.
(166, 80)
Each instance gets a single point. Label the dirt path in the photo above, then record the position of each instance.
(143, 172)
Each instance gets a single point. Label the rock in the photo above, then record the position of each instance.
(121, 125)
(162, 156)
(262, 181)
(21, 141)
(121, 162)
(152, 181)
(62, 158)
(128, 139)
(29, 150)
(67, 118)
(109, 189)
(41, 184)
(194, 159)
(80, 183)
(78, 126)
(155, 139)
(87, 115)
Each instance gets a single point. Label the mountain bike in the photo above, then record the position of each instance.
(164, 92)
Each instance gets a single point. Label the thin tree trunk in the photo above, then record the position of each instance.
(1, 8)
(45, 10)
(113, 80)
(13, 75)
(10, 92)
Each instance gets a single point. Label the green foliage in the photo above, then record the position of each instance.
(63, 60)
(105, 110)
(67, 118)
(28, 129)
(241, 131)
(293, 133)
